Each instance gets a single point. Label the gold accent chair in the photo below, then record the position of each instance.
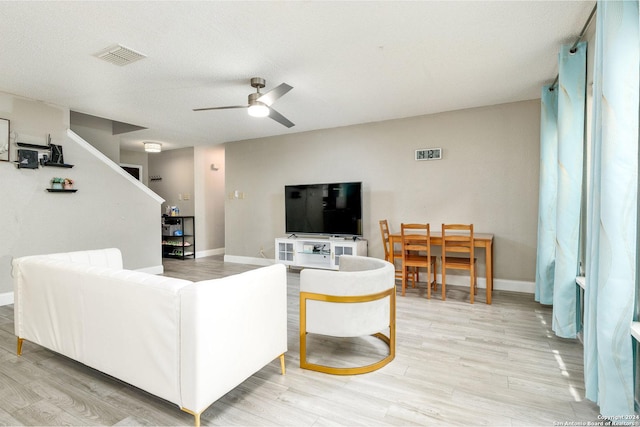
(458, 239)
(356, 301)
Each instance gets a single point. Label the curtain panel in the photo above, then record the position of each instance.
(545, 259)
(612, 211)
(571, 119)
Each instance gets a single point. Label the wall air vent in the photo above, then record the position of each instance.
(429, 154)
(120, 55)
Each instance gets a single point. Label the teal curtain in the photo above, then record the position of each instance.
(545, 260)
(571, 111)
(612, 211)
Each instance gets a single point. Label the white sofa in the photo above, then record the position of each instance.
(186, 342)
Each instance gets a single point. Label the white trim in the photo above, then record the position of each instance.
(248, 260)
(209, 252)
(456, 280)
(6, 298)
(113, 165)
(498, 284)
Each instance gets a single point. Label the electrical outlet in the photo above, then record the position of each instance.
(186, 196)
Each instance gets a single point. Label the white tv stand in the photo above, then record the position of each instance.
(317, 251)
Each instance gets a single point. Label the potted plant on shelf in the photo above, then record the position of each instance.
(57, 183)
(68, 184)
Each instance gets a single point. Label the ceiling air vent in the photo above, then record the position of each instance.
(120, 55)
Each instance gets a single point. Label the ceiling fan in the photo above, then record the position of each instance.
(260, 103)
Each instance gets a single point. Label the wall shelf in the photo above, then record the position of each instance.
(61, 190)
(57, 165)
(36, 146)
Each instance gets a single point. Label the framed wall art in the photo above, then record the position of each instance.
(5, 148)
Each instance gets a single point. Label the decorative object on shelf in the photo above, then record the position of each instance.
(27, 159)
(67, 184)
(56, 154)
(5, 147)
(57, 183)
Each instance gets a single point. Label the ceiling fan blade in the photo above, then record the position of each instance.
(221, 108)
(280, 118)
(275, 93)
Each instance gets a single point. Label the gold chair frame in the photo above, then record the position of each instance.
(389, 340)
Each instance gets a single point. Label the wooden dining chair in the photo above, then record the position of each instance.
(397, 255)
(416, 253)
(458, 239)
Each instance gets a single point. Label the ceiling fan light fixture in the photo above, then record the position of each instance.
(258, 109)
(152, 147)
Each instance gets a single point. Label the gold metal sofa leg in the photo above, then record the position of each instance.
(19, 346)
(282, 367)
(196, 415)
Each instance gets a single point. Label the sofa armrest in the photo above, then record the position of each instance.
(231, 328)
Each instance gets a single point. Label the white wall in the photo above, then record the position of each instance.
(107, 210)
(488, 176)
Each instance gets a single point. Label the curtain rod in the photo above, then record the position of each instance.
(573, 48)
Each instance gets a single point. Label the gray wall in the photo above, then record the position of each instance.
(177, 186)
(139, 158)
(209, 198)
(107, 211)
(98, 132)
(488, 176)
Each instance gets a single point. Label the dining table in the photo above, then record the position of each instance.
(480, 240)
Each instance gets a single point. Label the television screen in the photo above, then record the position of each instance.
(334, 209)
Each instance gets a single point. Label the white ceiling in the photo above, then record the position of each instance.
(349, 62)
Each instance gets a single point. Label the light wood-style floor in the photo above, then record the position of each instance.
(456, 364)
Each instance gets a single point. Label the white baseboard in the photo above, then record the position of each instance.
(456, 280)
(209, 252)
(248, 260)
(498, 284)
(6, 298)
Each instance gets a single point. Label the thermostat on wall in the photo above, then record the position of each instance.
(429, 154)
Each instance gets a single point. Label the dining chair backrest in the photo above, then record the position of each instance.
(458, 238)
(384, 231)
(416, 238)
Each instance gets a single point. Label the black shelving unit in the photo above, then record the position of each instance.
(178, 237)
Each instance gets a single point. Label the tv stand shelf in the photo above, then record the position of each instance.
(317, 252)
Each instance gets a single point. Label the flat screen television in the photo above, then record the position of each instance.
(332, 209)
